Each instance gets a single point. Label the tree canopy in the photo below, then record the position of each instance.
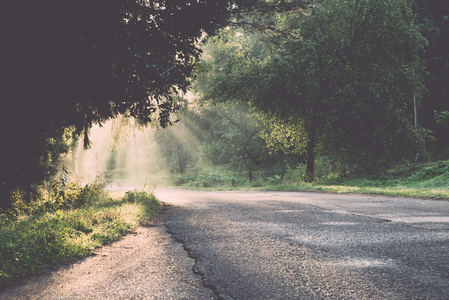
(75, 63)
(346, 74)
(335, 78)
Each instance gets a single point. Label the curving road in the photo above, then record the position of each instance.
(290, 245)
(267, 245)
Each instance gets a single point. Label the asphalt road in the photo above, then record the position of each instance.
(290, 245)
(266, 245)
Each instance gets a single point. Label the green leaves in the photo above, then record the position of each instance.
(343, 76)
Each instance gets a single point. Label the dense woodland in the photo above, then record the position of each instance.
(356, 85)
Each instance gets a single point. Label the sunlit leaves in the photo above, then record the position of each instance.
(346, 75)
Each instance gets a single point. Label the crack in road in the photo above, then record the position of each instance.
(247, 245)
(221, 293)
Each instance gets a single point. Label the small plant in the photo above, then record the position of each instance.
(210, 178)
(274, 180)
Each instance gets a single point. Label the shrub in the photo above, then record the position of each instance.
(274, 180)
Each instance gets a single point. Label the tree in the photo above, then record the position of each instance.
(347, 73)
(75, 63)
(214, 135)
(177, 144)
(236, 140)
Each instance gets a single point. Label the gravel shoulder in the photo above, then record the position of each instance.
(146, 264)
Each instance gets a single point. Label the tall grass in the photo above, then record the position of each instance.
(38, 236)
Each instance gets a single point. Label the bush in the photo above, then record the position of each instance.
(71, 196)
(274, 180)
(325, 168)
(213, 177)
(440, 169)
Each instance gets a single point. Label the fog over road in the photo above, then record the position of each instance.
(291, 245)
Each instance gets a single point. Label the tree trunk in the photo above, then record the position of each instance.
(182, 158)
(248, 163)
(310, 152)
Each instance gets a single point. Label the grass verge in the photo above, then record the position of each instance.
(426, 180)
(31, 243)
(398, 190)
(423, 180)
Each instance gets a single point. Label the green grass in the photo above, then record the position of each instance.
(209, 178)
(425, 180)
(398, 190)
(31, 243)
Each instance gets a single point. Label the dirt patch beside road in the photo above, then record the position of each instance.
(146, 264)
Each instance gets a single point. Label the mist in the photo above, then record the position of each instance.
(123, 155)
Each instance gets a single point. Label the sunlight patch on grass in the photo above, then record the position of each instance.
(434, 193)
(32, 243)
(424, 180)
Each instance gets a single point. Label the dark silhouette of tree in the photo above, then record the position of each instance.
(70, 64)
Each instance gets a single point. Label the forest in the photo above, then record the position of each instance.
(252, 93)
(102, 101)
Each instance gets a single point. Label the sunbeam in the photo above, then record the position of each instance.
(123, 155)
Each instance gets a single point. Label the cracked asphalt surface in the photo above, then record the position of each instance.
(289, 245)
(267, 245)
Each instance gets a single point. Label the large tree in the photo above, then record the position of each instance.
(345, 71)
(74, 63)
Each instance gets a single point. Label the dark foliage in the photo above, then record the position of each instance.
(75, 63)
(432, 16)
